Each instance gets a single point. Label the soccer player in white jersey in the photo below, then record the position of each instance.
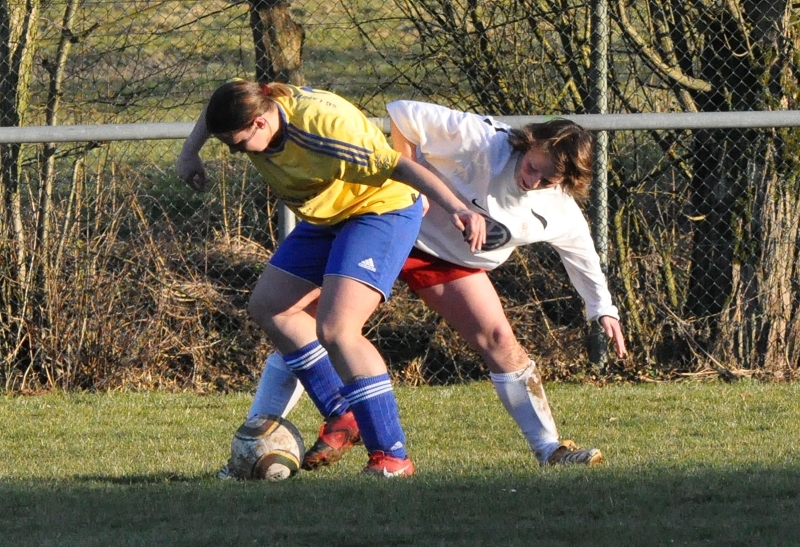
(527, 183)
(357, 201)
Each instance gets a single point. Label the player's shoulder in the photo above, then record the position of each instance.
(406, 108)
(311, 101)
(327, 114)
(437, 121)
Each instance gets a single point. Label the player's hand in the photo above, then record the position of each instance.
(613, 331)
(191, 171)
(473, 226)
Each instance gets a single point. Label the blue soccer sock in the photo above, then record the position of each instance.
(375, 408)
(314, 369)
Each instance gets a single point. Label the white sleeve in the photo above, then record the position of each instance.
(582, 263)
(442, 135)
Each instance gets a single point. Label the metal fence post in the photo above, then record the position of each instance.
(286, 222)
(598, 348)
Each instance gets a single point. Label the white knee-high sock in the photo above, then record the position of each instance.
(523, 397)
(278, 389)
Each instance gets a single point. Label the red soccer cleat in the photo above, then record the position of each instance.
(337, 435)
(385, 466)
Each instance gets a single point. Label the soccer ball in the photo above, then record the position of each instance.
(266, 447)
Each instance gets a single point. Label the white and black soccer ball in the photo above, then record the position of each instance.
(266, 447)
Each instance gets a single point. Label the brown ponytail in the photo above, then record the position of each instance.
(235, 104)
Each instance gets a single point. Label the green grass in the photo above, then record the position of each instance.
(687, 464)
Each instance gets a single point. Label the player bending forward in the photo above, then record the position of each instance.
(527, 183)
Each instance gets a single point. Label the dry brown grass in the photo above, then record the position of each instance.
(150, 315)
(152, 286)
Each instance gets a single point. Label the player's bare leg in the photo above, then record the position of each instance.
(282, 305)
(472, 307)
(344, 308)
(286, 307)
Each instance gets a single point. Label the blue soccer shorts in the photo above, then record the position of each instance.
(370, 248)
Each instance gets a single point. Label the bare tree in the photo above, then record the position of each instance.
(18, 30)
(278, 42)
(733, 56)
(500, 57)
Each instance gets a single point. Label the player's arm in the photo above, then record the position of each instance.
(472, 224)
(189, 165)
(401, 143)
(409, 150)
(409, 114)
(582, 264)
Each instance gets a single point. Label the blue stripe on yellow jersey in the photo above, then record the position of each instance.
(333, 163)
(329, 147)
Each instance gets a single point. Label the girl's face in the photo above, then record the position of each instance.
(253, 138)
(239, 141)
(535, 170)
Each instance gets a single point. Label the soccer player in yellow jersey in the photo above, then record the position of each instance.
(357, 199)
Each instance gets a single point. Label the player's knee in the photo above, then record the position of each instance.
(499, 339)
(329, 334)
(336, 335)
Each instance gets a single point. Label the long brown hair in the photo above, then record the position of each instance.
(568, 144)
(235, 104)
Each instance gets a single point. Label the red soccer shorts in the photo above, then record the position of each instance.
(422, 271)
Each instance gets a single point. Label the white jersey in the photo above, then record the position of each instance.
(472, 153)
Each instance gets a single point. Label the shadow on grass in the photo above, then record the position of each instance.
(606, 506)
(156, 478)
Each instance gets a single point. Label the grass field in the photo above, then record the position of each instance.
(687, 464)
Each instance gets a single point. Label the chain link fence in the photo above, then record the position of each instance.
(115, 275)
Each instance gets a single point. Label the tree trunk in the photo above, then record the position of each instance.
(746, 195)
(55, 69)
(278, 42)
(18, 29)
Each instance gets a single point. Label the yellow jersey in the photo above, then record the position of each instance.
(332, 162)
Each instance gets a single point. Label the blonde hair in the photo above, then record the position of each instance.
(235, 104)
(569, 146)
